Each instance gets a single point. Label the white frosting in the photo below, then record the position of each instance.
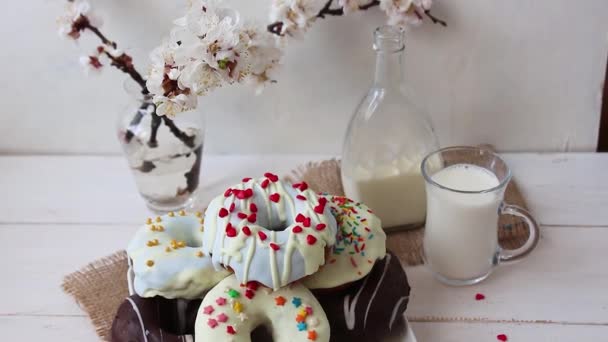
(214, 321)
(359, 243)
(182, 272)
(249, 251)
(395, 310)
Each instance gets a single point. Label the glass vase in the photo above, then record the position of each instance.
(387, 138)
(164, 153)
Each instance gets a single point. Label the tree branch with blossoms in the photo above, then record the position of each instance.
(79, 18)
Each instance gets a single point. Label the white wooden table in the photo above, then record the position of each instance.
(58, 213)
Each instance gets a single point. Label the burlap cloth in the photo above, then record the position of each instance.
(101, 286)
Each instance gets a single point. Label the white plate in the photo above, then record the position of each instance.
(409, 334)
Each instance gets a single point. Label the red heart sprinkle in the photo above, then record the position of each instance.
(246, 230)
(273, 178)
(480, 296)
(230, 330)
(502, 337)
(223, 212)
(319, 209)
(274, 246)
(249, 294)
(262, 236)
(240, 194)
(252, 218)
(303, 186)
(253, 285)
(300, 218)
(232, 207)
(242, 216)
(246, 179)
(297, 229)
(311, 239)
(230, 231)
(321, 226)
(275, 197)
(300, 197)
(253, 208)
(227, 193)
(306, 222)
(264, 183)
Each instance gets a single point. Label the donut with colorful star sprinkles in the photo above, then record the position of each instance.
(359, 243)
(269, 231)
(231, 311)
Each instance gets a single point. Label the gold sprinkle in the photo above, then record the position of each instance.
(168, 249)
(200, 254)
(202, 228)
(153, 228)
(171, 214)
(152, 243)
(150, 263)
(160, 228)
(181, 244)
(158, 219)
(199, 214)
(202, 221)
(149, 221)
(182, 213)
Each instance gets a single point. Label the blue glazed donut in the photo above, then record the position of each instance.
(167, 258)
(269, 231)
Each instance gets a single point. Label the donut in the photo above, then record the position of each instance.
(167, 258)
(232, 311)
(269, 231)
(371, 308)
(155, 319)
(359, 243)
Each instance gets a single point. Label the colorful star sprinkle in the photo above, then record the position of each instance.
(300, 318)
(230, 330)
(308, 310)
(502, 337)
(243, 317)
(312, 335)
(480, 296)
(296, 302)
(234, 293)
(312, 322)
(222, 318)
(221, 301)
(237, 307)
(249, 294)
(208, 310)
(212, 323)
(302, 326)
(280, 300)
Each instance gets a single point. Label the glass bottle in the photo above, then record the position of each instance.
(387, 138)
(164, 153)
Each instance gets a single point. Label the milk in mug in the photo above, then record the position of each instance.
(461, 240)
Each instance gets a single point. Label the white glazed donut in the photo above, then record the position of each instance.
(360, 242)
(231, 311)
(168, 260)
(269, 231)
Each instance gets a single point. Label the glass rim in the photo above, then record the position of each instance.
(429, 180)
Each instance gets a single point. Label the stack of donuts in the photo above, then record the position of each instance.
(268, 261)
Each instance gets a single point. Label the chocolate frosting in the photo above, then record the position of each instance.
(154, 320)
(372, 307)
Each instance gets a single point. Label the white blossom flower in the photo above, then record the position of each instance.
(173, 105)
(295, 15)
(90, 64)
(70, 23)
(405, 12)
(350, 6)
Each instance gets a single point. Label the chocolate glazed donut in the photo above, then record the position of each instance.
(372, 307)
(155, 319)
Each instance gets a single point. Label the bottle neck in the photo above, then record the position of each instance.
(389, 69)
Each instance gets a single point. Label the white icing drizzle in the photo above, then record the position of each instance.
(130, 276)
(227, 250)
(395, 309)
(349, 307)
(141, 321)
(371, 300)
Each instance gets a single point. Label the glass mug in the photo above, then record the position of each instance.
(465, 188)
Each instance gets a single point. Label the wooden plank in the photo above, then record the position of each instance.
(460, 331)
(97, 189)
(553, 284)
(79, 329)
(561, 189)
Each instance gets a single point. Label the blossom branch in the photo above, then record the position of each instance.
(327, 10)
(124, 63)
(434, 19)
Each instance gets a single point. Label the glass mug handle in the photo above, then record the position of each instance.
(507, 255)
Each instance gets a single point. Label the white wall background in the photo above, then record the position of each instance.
(520, 74)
